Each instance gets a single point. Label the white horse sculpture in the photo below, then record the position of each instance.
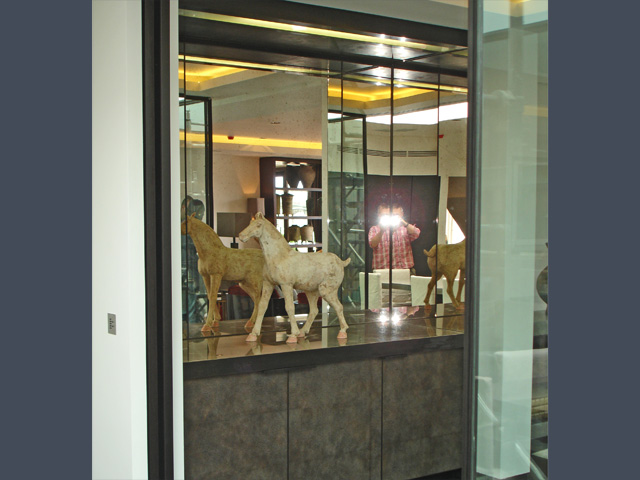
(317, 274)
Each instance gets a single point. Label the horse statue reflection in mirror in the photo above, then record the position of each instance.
(217, 262)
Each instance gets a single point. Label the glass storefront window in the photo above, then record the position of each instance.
(384, 139)
(380, 142)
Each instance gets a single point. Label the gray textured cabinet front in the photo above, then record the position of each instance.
(389, 418)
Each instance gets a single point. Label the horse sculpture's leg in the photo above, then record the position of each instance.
(332, 298)
(287, 291)
(450, 281)
(460, 285)
(213, 316)
(313, 311)
(267, 288)
(254, 293)
(432, 283)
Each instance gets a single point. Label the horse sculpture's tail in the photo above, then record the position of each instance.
(432, 252)
(346, 262)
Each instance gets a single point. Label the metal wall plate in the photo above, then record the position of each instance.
(111, 323)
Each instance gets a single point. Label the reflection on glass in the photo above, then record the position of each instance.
(194, 183)
(390, 138)
(388, 149)
(346, 166)
(511, 363)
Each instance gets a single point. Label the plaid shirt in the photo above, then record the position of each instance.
(402, 254)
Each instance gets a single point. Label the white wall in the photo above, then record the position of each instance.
(119, 429)
(235, 179)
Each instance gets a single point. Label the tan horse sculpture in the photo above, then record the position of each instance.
(450, 260)
(217, 262)
(317, 274)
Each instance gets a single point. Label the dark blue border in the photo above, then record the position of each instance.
(46, 203)
(46, 211)
(594, 173)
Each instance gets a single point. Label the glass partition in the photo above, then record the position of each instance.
(511, 365)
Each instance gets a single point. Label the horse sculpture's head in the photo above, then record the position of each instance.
(254, 229)
(184, 226)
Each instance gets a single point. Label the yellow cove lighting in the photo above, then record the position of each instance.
(237, 66)
(353, 94)
(408, 83)
(260, 66)
(208, 73)
(264, 142)
(252, 22)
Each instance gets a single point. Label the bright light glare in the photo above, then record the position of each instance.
(389, 220)
(425, 117)
(395, 318)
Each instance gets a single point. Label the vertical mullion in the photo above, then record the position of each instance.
(391, 191)
(342, 234)
(473, 241)
(157, 218)
(439, 190)
(209, 160)
(365, 169)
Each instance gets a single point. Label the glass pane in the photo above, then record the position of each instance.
(195, 152)
(353, 146)
(346, 201)
(416, 184)
(512, 401)
(268, 125)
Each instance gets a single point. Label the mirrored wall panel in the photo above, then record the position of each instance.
(359, 167)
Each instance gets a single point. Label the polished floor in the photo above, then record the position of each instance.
(365, 327)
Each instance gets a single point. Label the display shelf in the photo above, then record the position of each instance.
(270, 168)
(415, 323)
